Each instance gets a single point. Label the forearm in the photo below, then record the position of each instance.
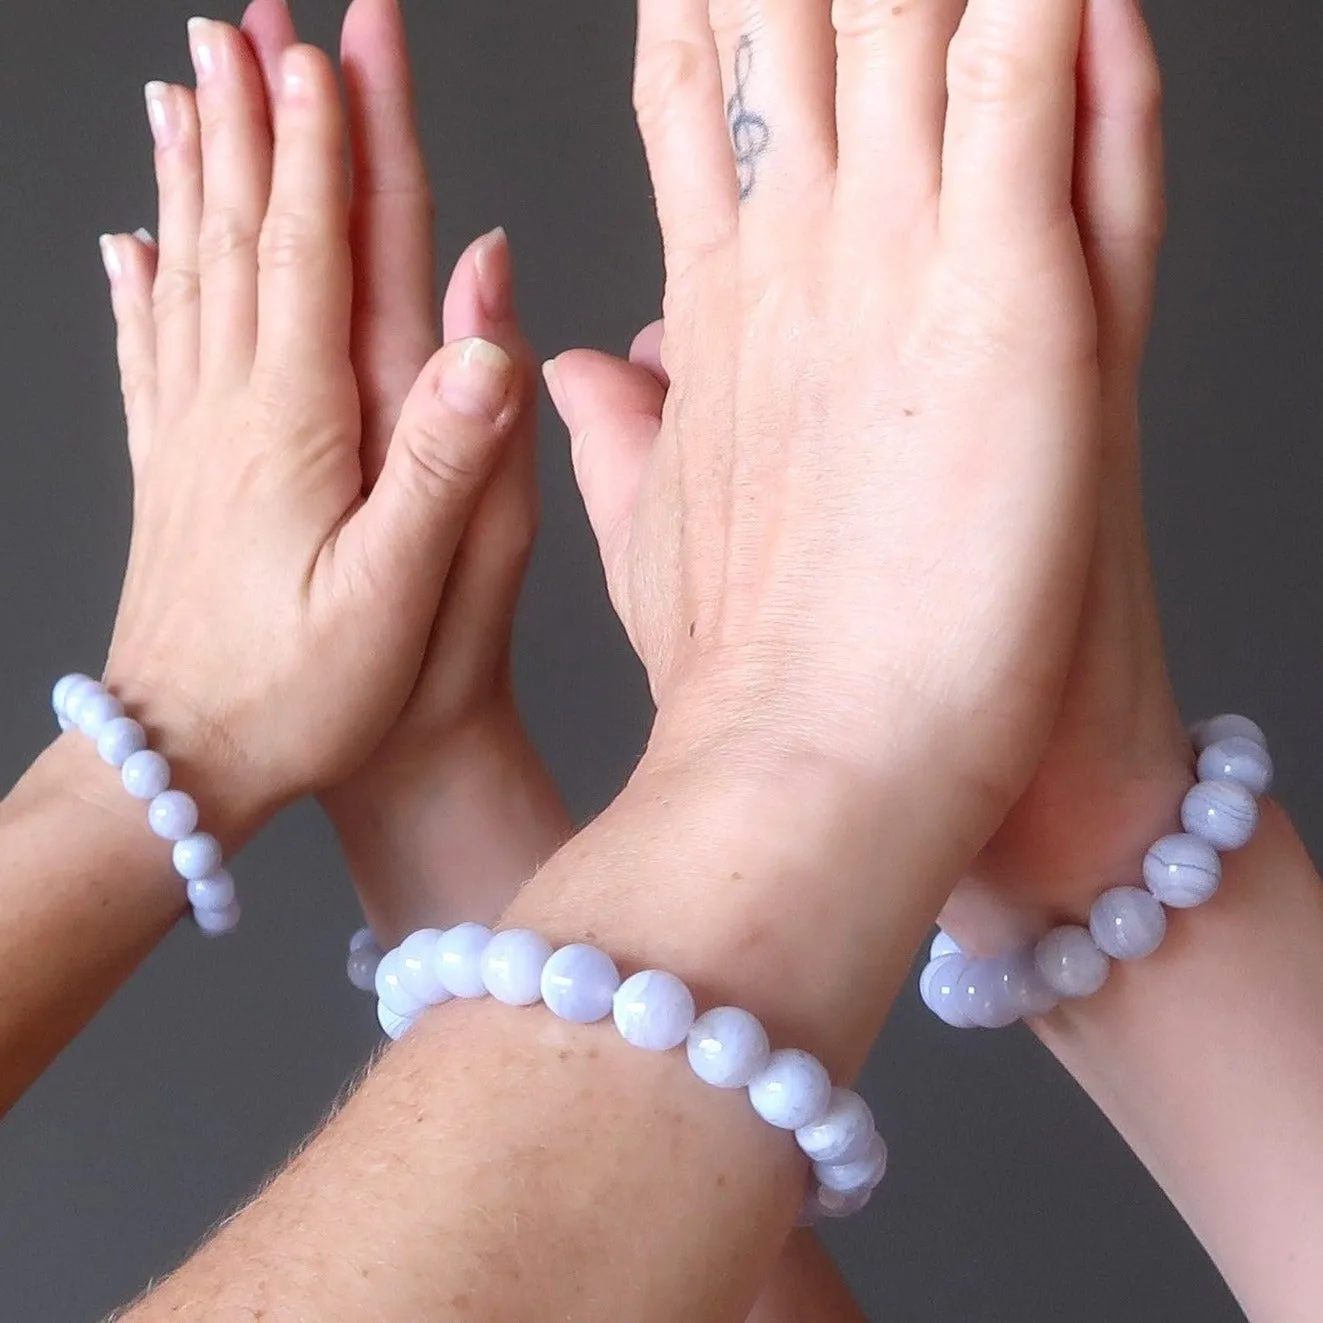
(1208, 1057)
(496, 1151)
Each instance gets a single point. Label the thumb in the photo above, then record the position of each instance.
(612, 410)
(450, 433)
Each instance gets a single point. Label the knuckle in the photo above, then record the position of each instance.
(667, 73)
(440, 461)
(862, 18)
(226, 233)
(986, 68)
(175, 292)
(289, 238)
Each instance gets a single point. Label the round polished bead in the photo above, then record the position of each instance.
(1127, 923)
(864, 1173)
(459, 959)
(980, 995)
(394, 996)
(145, 775)
(943, 945)
(394, 1025)
(214, 892)
(63, 688)
(216, 923)
(77, 695)
(653, 1010)
(120, 740)
(417, 968)
(939, 987)
(361, 967)
(1023, 988)
(579, 983)
(1223, 813)
(842, 1133)
(1223, 727)
(834, 1204)
(727, 1047)
(96, 711)
(1238, 759)
(1070, 962)
(363, 937)
(65, 724)
(512, 966)
(1182, 871)
(197, 856)
(792, 1090)
(172, 815)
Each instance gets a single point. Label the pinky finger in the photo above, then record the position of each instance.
(130, 261)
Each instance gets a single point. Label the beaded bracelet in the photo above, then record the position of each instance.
(1220, 814)
(727, 1047)
(84, 704)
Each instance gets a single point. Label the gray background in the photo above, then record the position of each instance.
(1010, 1197)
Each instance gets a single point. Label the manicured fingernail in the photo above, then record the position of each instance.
(477, 381)
(204, 46)
(557, 392)
(145, 236)
(159, 113)
(295, 74)
(110, 257)
(495, 275)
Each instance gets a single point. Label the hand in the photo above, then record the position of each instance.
(1118, 759)
(273, 620)
(882, 433)
(454, 808)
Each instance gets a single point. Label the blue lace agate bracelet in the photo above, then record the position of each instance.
(84, 704)
(1219, 814)
(727, 1047)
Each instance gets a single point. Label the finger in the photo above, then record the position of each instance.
(172, 112)
(130, 264)
(270, 31)
(682, 118)
(391, 222)
(613, 413)
(1009, 152)
(305, 284)
(778, 71)
(891, 104)
(449, 436)
(236, 183)
(647, 351)
(1119, 176)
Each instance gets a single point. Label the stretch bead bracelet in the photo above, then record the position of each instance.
(1220, 814)
(84, 704)
(727, 1047)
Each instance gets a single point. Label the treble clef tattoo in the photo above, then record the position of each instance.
(748, 131)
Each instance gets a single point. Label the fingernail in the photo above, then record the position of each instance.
(145, 236)
(110, 257)
(204, 47)
(557, 392)
(477, 381)
(159, 114)
(295, 78)
(495, 275)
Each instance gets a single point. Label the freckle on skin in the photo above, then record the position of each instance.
(721, 1180)
(693, 628)
(564, 1054)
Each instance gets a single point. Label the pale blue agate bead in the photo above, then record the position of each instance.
(361, 966)
(943, 945)
(417, 968)
(1182, 871)
(653, 1010)
(216, 923)
(863, 1174)
(842, 1133)
(512, 966)
(363, 937)
(394, 1026)
(63, 688)
(79, 694)
(391, 992)
(579, 983)
(145, 775)
(172, 815)
(792, 1090)
(1070, 962)
(1223, 813)
(197, 856)
(727, 1047)
(1127, 923)
(120, 740)
(459, 959)
(1238, 759)
(214, 892)
(1023, 988)
(980, 995)
(939, 986)
(1223, 727)
(834, 1204)
(97, 710)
